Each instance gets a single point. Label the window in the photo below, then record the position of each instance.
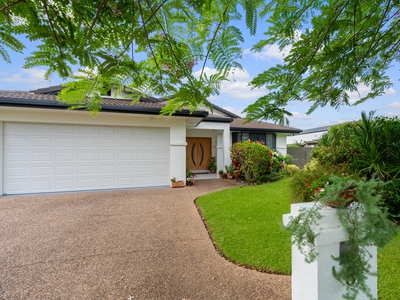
(268, 138)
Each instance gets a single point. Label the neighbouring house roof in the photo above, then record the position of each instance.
(240, 124)
(110, 104)
(316, 129)
(51, 90)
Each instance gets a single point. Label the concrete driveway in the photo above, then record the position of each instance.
(137, 244)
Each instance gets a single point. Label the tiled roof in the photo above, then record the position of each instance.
(109, 104)
(240, 124)
(217, 118)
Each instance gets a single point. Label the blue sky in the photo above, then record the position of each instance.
(235, 95)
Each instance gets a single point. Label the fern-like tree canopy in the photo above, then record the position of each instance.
(335, 47)
(152, 46)
(147, 46)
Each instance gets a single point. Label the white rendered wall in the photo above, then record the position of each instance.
(178, 150)
(315, 281)
(281, 143)
(1, 155)
(177, 127)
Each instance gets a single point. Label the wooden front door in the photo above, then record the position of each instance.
(198, 153)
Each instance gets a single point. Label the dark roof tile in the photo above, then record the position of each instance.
(240, 124)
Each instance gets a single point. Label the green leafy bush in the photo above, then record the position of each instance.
(254, 158)
(391, 197)
(305, 182)
(369, 146)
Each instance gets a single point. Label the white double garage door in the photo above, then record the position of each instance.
(41, 158)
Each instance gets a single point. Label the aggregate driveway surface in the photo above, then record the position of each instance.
(136, 244)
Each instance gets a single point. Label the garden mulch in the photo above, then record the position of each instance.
(127, 244)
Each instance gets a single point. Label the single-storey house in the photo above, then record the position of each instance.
(46, 147)
(308, 137)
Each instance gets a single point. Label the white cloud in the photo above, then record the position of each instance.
(237, 87)
(363, 90)
(269, 53)
(299, 116)
(235, 110)
(395, 104)
(33, 77)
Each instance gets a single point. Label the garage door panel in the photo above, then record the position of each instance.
(86, 143)
(106, 143)
(41, 171)
(85, 156)
(126, 156)
(106, 170)
(143, 168)
(65, 157)
(161, 144)
(42, 129)
(126, 169)
(41, 185)
(42, 156)
(126, 144)
(64, 185)
(65, 129)
(55, 157)
(16, 157)
(64, 170)
(17, 172)
(16, 142)
(44, 142)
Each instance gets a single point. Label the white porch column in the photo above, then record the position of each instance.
(178, 150)
(315, 281)
(1, 157)
(220, 152)
(281, 145)
(227, 144)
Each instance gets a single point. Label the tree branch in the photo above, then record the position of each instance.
(52, 27)
(11, 4)
(141, 27)
(97, 13)
(147, 38)
(212, 41)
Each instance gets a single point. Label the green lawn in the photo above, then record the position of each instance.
(246, 226)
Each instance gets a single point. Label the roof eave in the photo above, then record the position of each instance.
(220, 120)
(265, 130)
(12, 102)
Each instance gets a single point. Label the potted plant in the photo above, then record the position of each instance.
(190, 177)
(230, 170)
(213, 165)
(177, 183)
(359, 208)
(221, 174)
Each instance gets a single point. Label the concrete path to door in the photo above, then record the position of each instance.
(131, 244)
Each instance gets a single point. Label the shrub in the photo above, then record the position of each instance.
(290, 170)
(254, 159)
(369, 146)
(314, 175)
(391, 197)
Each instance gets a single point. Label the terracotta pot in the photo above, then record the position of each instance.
(213, 171)
(346, 198)
(230, 176)
(177, 184)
